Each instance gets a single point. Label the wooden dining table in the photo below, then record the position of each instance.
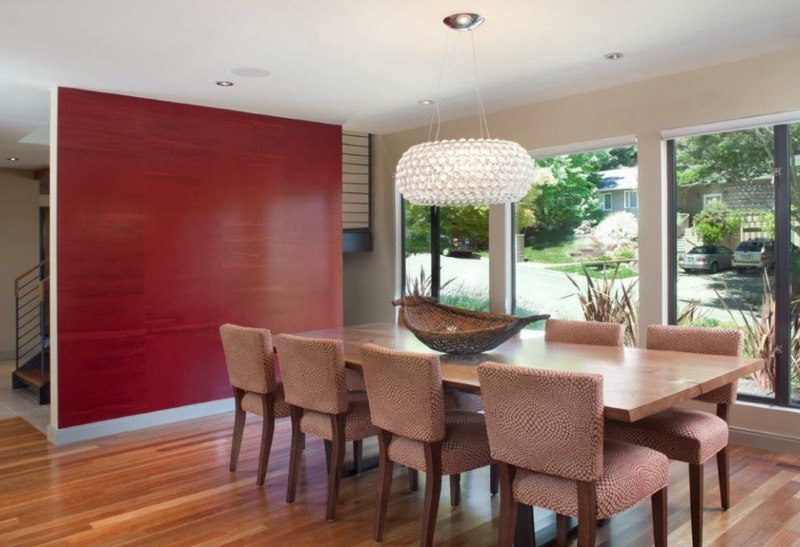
(636, 382)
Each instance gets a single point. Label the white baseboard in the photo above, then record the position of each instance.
(140, 421)
(765, 441)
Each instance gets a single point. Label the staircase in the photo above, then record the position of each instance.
(33, 332)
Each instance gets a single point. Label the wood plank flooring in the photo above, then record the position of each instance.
(170, 485)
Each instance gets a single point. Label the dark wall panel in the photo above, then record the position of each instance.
(173, 219)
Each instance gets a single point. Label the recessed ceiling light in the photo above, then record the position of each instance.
(225, 83)
(614, 56)
(250, 72)
(425, 102)
(12, 158)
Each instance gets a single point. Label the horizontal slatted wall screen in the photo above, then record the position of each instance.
(356, 191)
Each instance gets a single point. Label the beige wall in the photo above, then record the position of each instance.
(752, 87)
(19, 243)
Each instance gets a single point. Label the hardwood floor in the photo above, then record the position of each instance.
(170, 485)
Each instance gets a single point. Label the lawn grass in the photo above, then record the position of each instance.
(597, 271)
(554, 254)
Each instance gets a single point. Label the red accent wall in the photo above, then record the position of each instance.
(173, 219)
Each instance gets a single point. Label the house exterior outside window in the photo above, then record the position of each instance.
(708, 199)
(631, 199)
(606, 200)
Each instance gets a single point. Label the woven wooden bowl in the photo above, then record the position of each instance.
(455, 330)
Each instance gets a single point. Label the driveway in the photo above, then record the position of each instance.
(540, 290)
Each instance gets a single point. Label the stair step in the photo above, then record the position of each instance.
(33, 378)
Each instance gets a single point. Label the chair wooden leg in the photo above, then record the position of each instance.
(358, 451)
(562, 523)
(328, 447)
(696, 502)
(267, 431)
(723, 467)
(433, 488)
(524, 533)
(587, 513)
(455, 490)
(239, 418)
(494, 480)
(413, 480)
(508, 507)
(384, 483)
(723, 460)
(335, 469)
(659, 507)
(294, 455)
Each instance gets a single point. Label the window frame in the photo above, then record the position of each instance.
(610, 196)
(782, 395)
(627, 199)
(711, 198)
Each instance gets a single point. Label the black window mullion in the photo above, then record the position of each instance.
(783, 266)
(436, 262)
(672, 235)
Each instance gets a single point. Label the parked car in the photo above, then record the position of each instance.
(754, 253)
(461, 248)
(710, 258)
(759, 253)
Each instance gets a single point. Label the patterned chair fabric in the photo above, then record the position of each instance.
(691, 436)
(407, 401)
(584, 332)
(464, 446)
(405, 392)
(251, 403)
(250, 361)
(313, 373)
(630, 474)
(315, 382)
(547, 426)
(357, 425)
(545, 421)
(249, 358)
(700, 340)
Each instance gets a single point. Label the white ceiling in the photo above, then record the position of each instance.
(363, 64)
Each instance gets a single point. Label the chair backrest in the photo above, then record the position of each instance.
(584, 332)
(710, 341)
(312, 370)
(249, 358)
(405, 393)
(544, 420)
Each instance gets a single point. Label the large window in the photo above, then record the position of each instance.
(736, 229)
(453, 267)
(579, 219)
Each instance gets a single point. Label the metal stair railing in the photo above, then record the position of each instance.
(32, 317)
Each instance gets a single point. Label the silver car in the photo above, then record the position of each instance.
(754, 253)
(708, 258)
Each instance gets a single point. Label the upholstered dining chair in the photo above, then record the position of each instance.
(546, 430)
(250, 360)
(414, 429)
(691, 436)
(458, 400)
(584, 332)
(320, 404)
